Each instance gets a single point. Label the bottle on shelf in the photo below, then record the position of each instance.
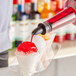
(59, 38)
(21, 14)
(59, 6)
(60, 35)
(18, 35)
(12, 34)
(18, 14)
(15, 9)
(15, 3)
(51, 11)
(46, 12)
(40, 5)
(13, 17)
(75, 36)
(70, 36)
(70, 32)
(28, 6)
(53, 5)
(34, 10)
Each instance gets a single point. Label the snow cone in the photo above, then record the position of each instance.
(27, 55)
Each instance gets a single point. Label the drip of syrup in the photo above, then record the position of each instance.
(32, 38)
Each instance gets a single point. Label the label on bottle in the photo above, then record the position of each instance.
(37, 16)
(12, 31)
(14, 9)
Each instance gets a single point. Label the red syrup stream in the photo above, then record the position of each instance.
(32, 37)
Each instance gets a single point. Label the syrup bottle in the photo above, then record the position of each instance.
(60, 35)
(40, 5)
(51, 11)
(66, 16)
(34, 11)
(21, 14)
(28, 6)
(15, 2)
(59, 6)
(53, 5)
(18, 14)
(70, 32)
(45, 11)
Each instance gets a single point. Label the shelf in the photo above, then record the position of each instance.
(68, 49)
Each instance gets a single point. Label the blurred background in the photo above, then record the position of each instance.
(27, 14)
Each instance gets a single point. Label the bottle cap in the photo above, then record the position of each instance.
(27, 1)
(15, 1)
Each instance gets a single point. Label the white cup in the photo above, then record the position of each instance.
(28, 63)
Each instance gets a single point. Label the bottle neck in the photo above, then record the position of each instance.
(53, 5)
(45, 6)
(15, 2)
(34, 7)
(34, 11)
(60, 4)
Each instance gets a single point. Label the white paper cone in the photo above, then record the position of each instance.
(28, 62)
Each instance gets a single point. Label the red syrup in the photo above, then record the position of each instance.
(27, 47)
(32, 38)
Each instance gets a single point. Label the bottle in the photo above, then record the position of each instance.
(45, 11)
(51, 11)
(40, 5)
(70, 32)
(21, 15)
(18, 35)
(12, 34)
(34, 11)
(24, 30)
(59, 38)
(60, 35)
(28, 6)
(53, 5)
(66, 16)
(18, 14)
(13, 17)
(59, 6)
(15, 3)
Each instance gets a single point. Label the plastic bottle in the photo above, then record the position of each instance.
(34, 10)
(15, 3)
(28, 6)
(21, 14)
(59, 6)
(66, 16)
(46, 12)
